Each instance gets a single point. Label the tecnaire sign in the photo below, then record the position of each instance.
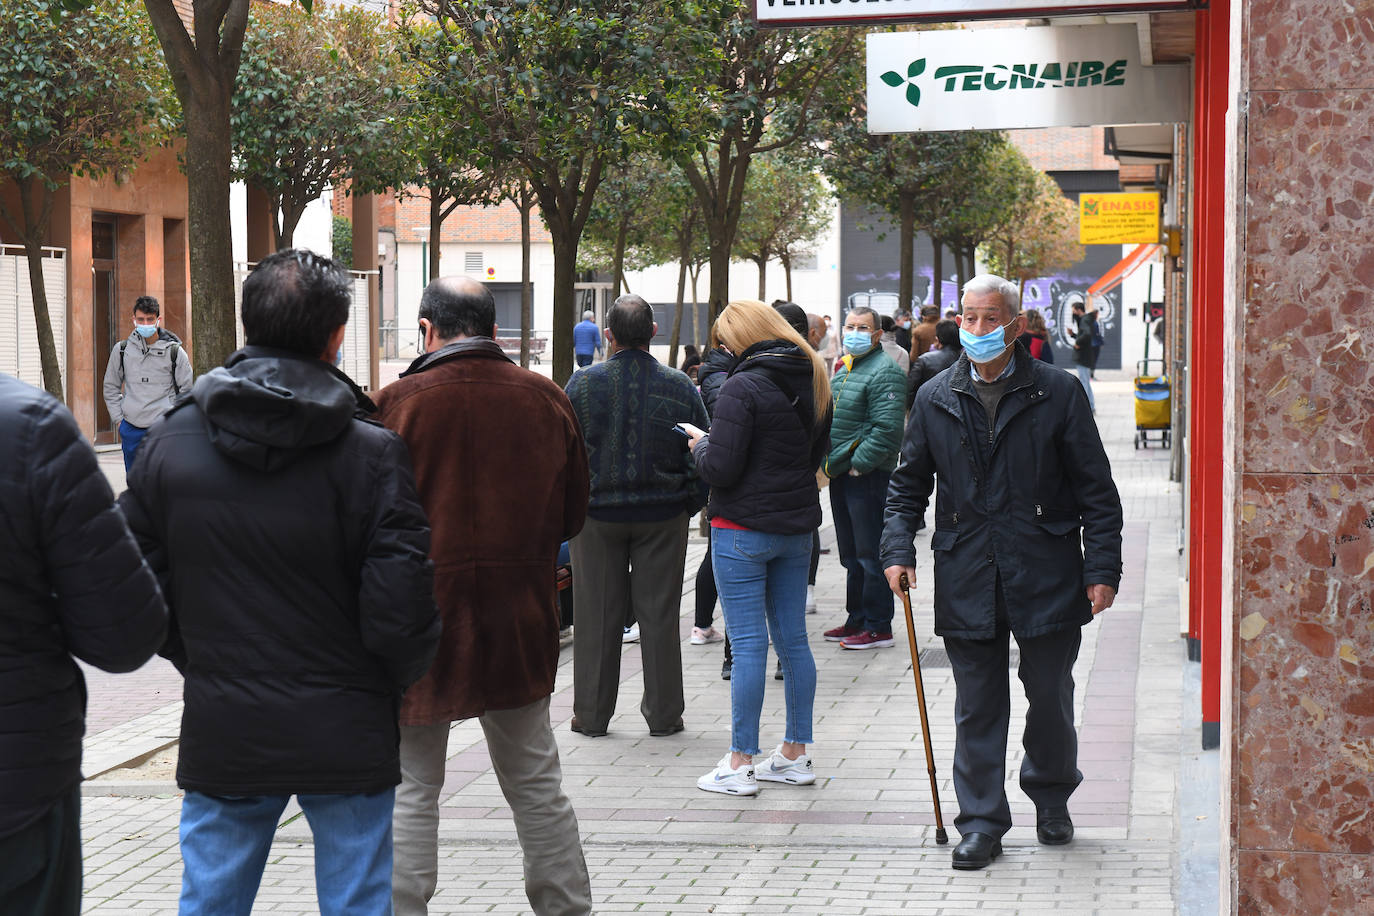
(1000, 79)
(853, 12)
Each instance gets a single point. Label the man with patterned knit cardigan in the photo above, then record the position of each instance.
(631, 552)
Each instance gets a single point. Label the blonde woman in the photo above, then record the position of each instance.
(770, 431)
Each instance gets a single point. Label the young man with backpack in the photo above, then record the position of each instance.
(146, 373)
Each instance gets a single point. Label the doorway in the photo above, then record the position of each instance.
(105, 319)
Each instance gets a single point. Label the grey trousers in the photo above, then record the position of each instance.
(525, 758)
(616, 566)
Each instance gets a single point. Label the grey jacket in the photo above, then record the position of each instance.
(143, 392)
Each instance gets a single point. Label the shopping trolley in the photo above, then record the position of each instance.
(1152, 404)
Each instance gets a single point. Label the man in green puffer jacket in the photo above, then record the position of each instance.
(865, 439)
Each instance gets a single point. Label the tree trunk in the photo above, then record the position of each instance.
(937, 294)
(618, 257)
(959, 266)
(906, 265)
(787, 274)
(208, 152)
(291, 212)
(564, 301)
(699, 331)
(32, 228)
(677, 315)
(525, 203)
(762, 261)
(436, 229)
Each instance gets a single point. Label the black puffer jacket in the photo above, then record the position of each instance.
(765, 444)
(294, 556)
(926, 366)
(711, 374)
(1014, 509)
(72, 582)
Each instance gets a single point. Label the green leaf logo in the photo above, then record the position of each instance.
(913, 70)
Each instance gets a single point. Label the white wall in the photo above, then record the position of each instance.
(500, 264)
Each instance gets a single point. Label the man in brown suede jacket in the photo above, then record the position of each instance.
(502, 474)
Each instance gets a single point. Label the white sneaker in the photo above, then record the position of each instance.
(778, 768)
(730, 782)
(631, 633)
(701, 637)
(811, 599)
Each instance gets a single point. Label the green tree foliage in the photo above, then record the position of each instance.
(628, 230)
(341, 239)
(753, 91)
(446, 157)
(1038, 236)
(561, 90)
(786, 207)
(81, 93)
(316, 93)
(1002, 183)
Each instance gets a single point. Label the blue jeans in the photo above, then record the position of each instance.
(1085, 374)
(225, 843)
(857, 506)
(130, 437)
(762, 583)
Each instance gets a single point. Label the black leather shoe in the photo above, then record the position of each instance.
(726, 669)
(589, 732)
(670, 730)
(1053, 827)
(777, 674)
(977, 850)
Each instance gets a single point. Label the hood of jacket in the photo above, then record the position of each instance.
(265, 407)
(468, 346)
(783, 362)
(711, 374)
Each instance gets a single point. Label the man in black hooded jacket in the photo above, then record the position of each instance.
(294, 556)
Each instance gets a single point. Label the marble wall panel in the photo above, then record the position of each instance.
(1308, 283)
(1313, 885)
(1303, 770)
(1309, 44)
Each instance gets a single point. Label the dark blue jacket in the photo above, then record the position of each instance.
(640, 467)
(72, 583)
(1037, 507)
(711, 374)
(765, 443)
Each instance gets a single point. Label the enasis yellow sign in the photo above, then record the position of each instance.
(1118, 219)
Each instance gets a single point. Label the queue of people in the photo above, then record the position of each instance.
(338, 580)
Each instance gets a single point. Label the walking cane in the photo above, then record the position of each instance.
(940, 836)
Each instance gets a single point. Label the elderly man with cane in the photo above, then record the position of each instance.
(1027, 542)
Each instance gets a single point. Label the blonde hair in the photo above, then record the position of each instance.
(746, 322)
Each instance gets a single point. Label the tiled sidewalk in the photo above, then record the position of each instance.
(860, 841)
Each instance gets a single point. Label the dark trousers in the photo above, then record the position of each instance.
(982, 710)
(619, 566)
(857, 506)
(584, 360)
(130, 438)
(40, 866)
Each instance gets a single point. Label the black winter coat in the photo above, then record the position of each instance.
(294, 556)
(925, 367)
(1012, 509)
(72, 582)
(711, 375)
(765, 445)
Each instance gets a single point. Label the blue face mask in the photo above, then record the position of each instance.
(857, 343)
(145, 330)
(986, 348)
